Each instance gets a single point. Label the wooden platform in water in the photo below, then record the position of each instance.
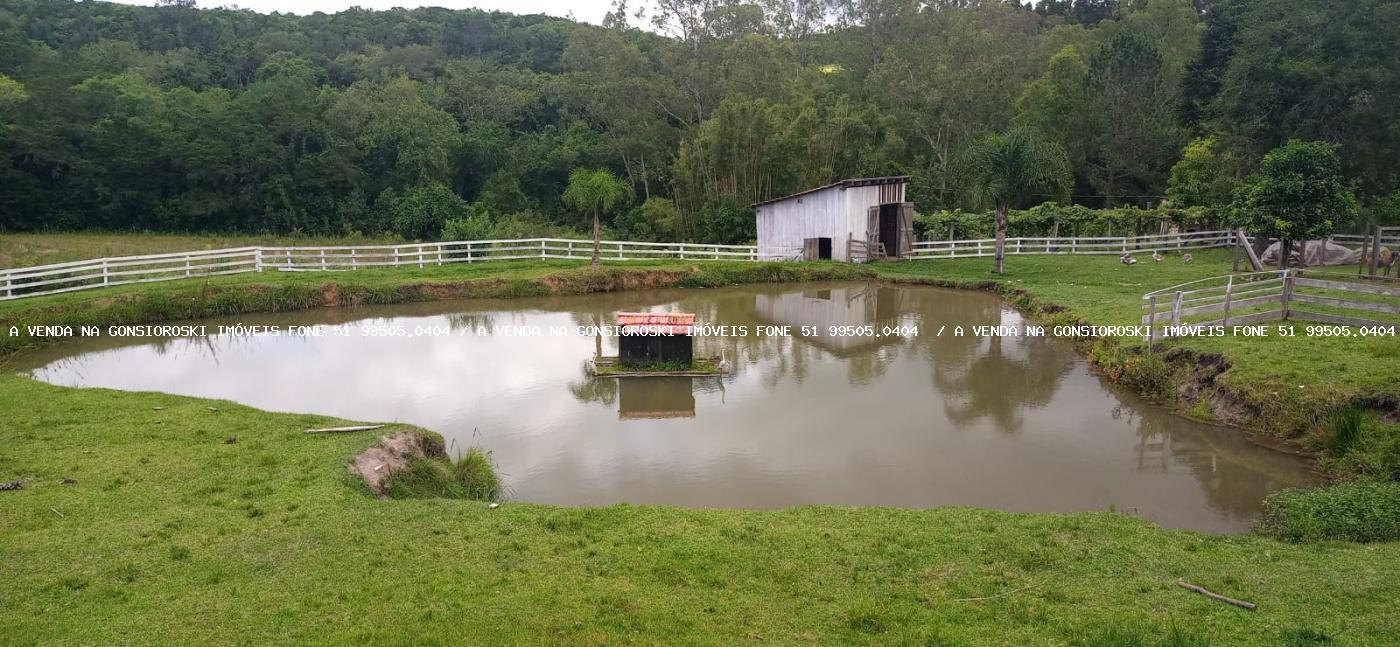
(701, 367)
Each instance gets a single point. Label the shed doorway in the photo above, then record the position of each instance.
(892, 225)
(816, 249)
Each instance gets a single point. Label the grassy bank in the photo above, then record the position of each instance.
(170, 533)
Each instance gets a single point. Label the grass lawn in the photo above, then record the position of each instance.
(170, 534)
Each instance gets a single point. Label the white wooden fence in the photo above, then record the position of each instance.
(1240, 299)
(103, 272)
(1074, 245)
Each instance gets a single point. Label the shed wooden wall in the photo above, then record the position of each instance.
(833, 213)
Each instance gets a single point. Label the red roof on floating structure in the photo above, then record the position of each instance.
(656, 323)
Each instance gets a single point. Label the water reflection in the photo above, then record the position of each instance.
(1016, 423)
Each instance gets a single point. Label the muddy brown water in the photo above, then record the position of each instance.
(908, 420)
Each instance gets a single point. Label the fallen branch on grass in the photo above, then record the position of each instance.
(338, 430)
(1214, 596)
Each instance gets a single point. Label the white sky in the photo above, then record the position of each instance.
(591, 11)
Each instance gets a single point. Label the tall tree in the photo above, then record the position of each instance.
(595, 192)
(1005, 170)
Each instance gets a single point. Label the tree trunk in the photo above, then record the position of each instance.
(1285, 247)
(597, 237)
(1002, 209)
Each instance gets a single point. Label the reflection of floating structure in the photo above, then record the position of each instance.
(655, 338)
(703, 367)
(859, 305)
(669, 397)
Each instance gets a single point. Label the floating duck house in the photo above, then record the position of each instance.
(655, 337)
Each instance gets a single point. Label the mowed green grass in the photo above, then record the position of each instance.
(170, 534)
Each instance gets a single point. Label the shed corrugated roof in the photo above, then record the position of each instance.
(844, 184)
(656, 323)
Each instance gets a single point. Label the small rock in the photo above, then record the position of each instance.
(231, 441)
(69, 481)
(157, 408)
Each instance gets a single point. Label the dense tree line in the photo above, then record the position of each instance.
(409, 121)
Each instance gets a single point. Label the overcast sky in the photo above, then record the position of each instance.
(585, 10)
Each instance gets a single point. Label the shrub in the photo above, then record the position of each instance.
(473, 227)
(1148, 374)
(1361, 511)
(423, 211)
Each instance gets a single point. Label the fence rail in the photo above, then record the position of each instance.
(1239, 299)
(105, 272)
(1074, 245)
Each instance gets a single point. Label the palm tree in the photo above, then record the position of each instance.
(596, 192)
(1006, 169)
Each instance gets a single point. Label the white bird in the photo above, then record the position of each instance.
(1127, 258)
(1187, 258)
(1157, 256)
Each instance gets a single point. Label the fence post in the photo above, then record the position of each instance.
(396, 257)
(9, 287)
(542, 250)
(1287, 291)
(106, 276)
(469, 251)
(1375, 250)
(420, 257)
(323, 260)
(439, 247)
(1151, 320)
(187, 265)
(257, 259)
(289, 259)
(619, 251)
(1229, 289)
(354, 262)
(1176, 310)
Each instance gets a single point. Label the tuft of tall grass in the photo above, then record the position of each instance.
(1343, 431)
(472, 476)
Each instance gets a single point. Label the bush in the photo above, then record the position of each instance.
(423, 211)
(1148, 374)
(470, 477)
(654, 221)
(473, 227)
(1362, 511)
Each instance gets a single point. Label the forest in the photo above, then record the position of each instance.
(468, 124)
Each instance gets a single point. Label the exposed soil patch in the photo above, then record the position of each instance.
(378, 463)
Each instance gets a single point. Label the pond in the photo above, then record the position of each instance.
(910, 419)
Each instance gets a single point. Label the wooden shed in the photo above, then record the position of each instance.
(655, 337)
(841, 221)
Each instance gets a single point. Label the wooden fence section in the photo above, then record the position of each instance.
(104, 272)
(1074, 245)
(1298, 294)
(125, 270)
